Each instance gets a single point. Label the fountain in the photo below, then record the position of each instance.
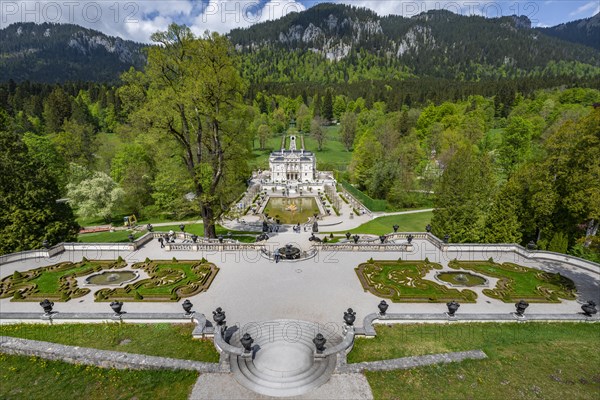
(111, 278)
(289, 252)
(455, 278)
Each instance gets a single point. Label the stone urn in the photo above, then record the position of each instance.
(395, 227)
(47, 306)
(355, 237)
(187, 306)
(446, 238)
(319, 342)
(452, 307)
(348, 234)
(382, 238)
(531, 246)
(220, 238)
(45, 244)
(194, 238)
(219, 316)
(116, 307)
(409, 239)
(428, 228)
(383, 306)
(247, 341)
(589, 308)
(521, 306)
(349, 317)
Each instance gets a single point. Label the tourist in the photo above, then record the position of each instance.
(171, 236)
(162, 242)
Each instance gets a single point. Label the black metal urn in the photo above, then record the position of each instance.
(319, 342)
(383, 306)
(219, 316)
(247, 341)
(382, 238)
(355, 237)
(220, 237)
(521, 306)
(410, 238)
(446, 238)
(428, 228)
(47, 306)
(452, 307)
(182, 227)
(531, 245)
(45, 244)
(395, 228)
(348, 234)
(116, 307)
(187, 306)
(589, 308)
(194, 238)
(349, 317)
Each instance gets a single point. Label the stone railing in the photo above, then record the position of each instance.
(363, 247)
(345, 345)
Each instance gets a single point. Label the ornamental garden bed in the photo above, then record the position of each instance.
(402, 281)
(55, 282)
(516, 282)
(169, 281)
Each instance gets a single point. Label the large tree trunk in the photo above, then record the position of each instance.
(209, 222)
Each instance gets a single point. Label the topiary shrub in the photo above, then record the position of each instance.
(17, 295)
(174, 260)
(119, 259)
(17, 275)
(491, 260)
(84, 259)
(147, 260)
(204, 260)
(138, 296)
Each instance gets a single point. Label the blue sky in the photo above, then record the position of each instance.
(136, 20)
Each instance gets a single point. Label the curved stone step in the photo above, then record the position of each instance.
(283, 363)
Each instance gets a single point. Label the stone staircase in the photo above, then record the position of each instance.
(283, 362)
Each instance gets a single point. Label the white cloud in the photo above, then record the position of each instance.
(592, 5)
(137, 20)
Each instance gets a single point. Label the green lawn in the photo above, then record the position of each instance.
(123, 236)
(164, 340)
(333, 155)
(36, 379)
(383, 225)
(526, 361)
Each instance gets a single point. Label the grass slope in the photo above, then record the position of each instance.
(526, 361)
(383, 225)
(33, 378)
(163, 340)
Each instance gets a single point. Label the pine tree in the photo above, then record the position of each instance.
(502, 224)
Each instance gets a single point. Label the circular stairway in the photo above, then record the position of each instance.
(282, 362)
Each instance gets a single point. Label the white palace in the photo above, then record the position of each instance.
(292, 165)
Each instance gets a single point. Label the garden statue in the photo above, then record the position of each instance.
(187, 307)
(589, 308)
(428, 228)
(219, 316)
(355, 237)
(383, 306)
(47, 306)
(410, 238)
(116, 307)
(395, 228)
(247, 341)
(349, 317)
(521, 306)
(452, 307)
(319, 342)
